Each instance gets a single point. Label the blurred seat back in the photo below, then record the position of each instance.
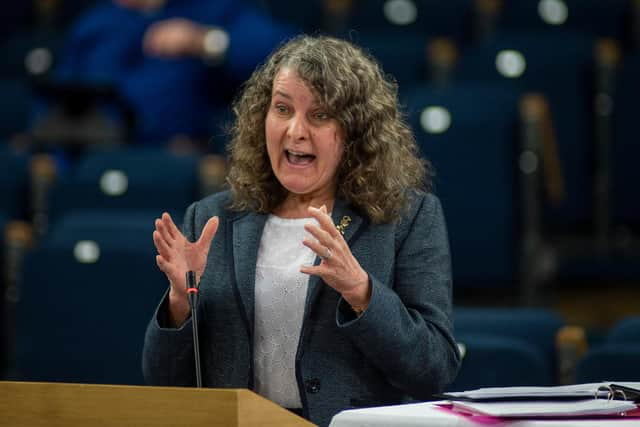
(110, 228)
(421, 17)
(15, 94)
(128, 180)
(303, 17)
(611, 362)
(626, 150)
(84, 306)
(536, 326)
(626, 330)
(499, 361)
(558, 65)
(402, 55)
(13, 183)
(473, 149)
(602, 18)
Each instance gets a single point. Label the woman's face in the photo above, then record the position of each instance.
(304, 143)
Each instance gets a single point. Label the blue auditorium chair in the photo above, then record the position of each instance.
(15, 16)
(602, 18)
(15, 95)
(303, 17)
(102, 226)
(626, 330)
(128, 180)
(621, 263)
(499, 361)
(3, 221)
(536, 326)
(402, 55)
(611, 362)
(421, 17)
(558, 65)
(626, 150)
(397, 32)
(469, 133)
(616, 358)
(29, 52)
(84, 306)
(27, 55)
(13, 183)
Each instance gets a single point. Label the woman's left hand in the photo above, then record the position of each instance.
(339, 268)
(174, 38)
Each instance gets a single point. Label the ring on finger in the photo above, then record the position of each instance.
(327, 255)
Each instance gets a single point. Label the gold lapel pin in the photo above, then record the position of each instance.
(344, 223)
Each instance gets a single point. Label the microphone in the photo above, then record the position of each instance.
(192, 291)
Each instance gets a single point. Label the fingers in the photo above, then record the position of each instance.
(325, 221)
(161, 245)
(314, 270)
(152, 41)
(162, 264)
(162, 234)
(317, 247)
(167, 268)
(209, 231)
(173, 37)
(321, 236)
(171, 228)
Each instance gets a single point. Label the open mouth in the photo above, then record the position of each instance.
(299, 158)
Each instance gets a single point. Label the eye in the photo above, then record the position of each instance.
(321, 116)
(281, 108)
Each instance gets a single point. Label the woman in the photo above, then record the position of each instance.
(324, 272)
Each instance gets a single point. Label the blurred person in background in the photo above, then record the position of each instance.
(173, 63)
(324, 272)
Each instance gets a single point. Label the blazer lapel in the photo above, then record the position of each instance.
(247, 231)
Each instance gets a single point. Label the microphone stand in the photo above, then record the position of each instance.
(192, 290)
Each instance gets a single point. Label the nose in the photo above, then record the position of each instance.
(298, 129)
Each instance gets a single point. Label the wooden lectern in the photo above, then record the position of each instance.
(69, 405)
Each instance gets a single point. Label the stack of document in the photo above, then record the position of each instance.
(581, 400)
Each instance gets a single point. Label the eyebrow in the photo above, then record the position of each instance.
(284, 95)
(290, 98)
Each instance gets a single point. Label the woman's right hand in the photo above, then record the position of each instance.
(176, 256)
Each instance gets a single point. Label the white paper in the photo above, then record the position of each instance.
(534, 409)
(577, 390)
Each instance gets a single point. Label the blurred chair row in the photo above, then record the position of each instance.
(464, 20)
(472, 73)
(512, 347)
(541, 127)
(84, 298)
(87, 325)
(396, 31)
(476, 109)
(506, 347)
(79, 243)
(118, 180)
(530, 119)
(400, 32)
(616, 358)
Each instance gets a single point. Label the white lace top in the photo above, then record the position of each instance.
(280, 294)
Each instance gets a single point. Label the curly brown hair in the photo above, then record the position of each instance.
(381, 160)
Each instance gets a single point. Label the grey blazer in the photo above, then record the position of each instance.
(400, 348)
